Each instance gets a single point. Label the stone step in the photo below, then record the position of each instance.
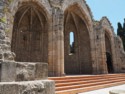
(77, 84)
(90, 88)
(84, 76)
(87, 79)
(80, 85)
(84, 81)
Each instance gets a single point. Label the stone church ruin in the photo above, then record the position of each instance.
(35, 44)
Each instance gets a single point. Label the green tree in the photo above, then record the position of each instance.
(121, 32)
(124, 26)
(124, 34)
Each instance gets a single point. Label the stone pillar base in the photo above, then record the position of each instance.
(28, 87)
(23, 71)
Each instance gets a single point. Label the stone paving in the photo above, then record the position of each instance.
(106, 90)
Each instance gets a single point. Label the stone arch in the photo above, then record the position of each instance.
(16, 4)
(108, 41)
(80, 61)
(84, 11)
(107, 27)
(30, 33)
(44, 4)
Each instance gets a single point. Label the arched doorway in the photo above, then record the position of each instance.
(30, 36)
(78, 59)
(109, 62)
(108, 54)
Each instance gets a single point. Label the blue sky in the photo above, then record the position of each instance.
(113, 9)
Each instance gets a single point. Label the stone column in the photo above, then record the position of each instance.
(100, 50)
(103, 53)
(94, 51)
(100, 58)
(56, 44)
(59, 41)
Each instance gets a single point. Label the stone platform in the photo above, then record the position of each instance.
(25, 78)
(28, 87)
(23, 71)
(106, 90)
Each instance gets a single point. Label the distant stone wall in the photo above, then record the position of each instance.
(118, 55)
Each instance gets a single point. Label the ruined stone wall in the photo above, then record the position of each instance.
(109, 30)
(11, 72)
(54, 11)
(5, 45)
(103, 31)
(99, 61)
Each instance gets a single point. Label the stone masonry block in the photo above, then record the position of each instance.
(8, 71)
(28, 87)
(23, 71)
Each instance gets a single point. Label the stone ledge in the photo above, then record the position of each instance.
(28, 87)
(23, 71)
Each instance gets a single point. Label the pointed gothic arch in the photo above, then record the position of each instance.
(80, 61)
(108, 46)
(30, 34)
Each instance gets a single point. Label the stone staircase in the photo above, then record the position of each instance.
(78, 84)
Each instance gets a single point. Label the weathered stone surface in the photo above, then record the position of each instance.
(23, 71)
(8, 71)
(28, 87)
(93, 39)
(117, 92)
(39, 32)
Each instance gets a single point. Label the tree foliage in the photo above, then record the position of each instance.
(121, 32)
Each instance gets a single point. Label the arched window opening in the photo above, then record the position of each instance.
(72, 43)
